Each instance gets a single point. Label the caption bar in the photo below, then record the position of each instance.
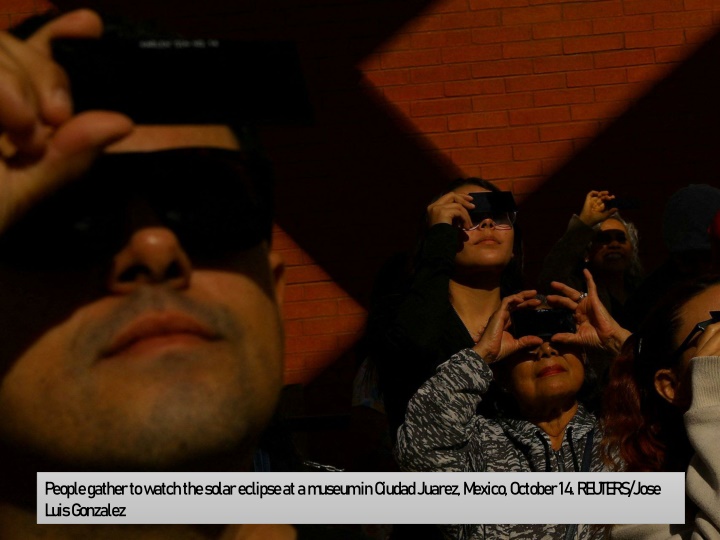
(344, 498)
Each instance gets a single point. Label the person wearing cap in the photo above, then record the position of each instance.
(141, 323)
(602, 241)
(688, 215)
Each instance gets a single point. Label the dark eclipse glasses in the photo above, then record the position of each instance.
(498, 206)
(543, 323)
(216, 201)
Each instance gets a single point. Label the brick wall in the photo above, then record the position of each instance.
(570, 96)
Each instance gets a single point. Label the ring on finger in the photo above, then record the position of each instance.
(582, 297)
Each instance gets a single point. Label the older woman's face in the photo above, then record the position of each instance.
(484, 248)
(547, 376)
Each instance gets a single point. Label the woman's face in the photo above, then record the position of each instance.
(485, 247)
(674, 384)
(611, 249)
(544, 377)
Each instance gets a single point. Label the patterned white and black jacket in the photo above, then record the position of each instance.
(444, 432)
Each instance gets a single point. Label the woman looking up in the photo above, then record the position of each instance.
(468, 259)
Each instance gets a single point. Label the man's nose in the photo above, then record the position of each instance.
(151, 256)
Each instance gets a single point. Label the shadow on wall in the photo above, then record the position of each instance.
(352, 188)
(669, 138)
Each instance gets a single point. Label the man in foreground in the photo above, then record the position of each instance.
(140, 331)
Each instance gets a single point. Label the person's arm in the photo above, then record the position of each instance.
(566, 256)
(702, 422)
(441, 418)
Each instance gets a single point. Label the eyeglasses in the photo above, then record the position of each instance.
(608, 237)
(210, 198)
(502, 221)
(698, 328)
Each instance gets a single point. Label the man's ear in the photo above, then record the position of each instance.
(666, 384)
(277, 269)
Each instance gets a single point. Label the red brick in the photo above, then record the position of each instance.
(388, 77)
(699, 4)
(477, 121)
(658, 38)
(503, 102)
(300, 344)
(440, 73)
(348, 305)
(5, 22)
(700, 35)
(474, 87)
(568, 131)
(502, 68)
(432, 40)
(524, 152)
(671, 54)
(596, 77)
(294, 293)
(430, 125)
(441, 106)
(648, 73)
(291, 257)
(614, 25)
(410, 58)
(449, 6)
(502, 34)
(482, 155)
(306, 310)
(564, 97)
(592, 43)
(495, 137)
(550, 166)
(13, 7)
(634, 7)
(514, 169)
(617, 92)
(624, 58)
(596, 111)
(454, 21)
(487, 4)
(334, 325)
(532, 48)
(412, 92)
(293, 362)
(293, 327)
(593, 10)
(572, 62)
(530, 15)
(535, 82)
(305, 274)
(546, 115)
(562, 29)
(453, 140)
(683, 19)
(528, 185)
(316, 291)
(474, 53)
(371, 62)
(282, 240)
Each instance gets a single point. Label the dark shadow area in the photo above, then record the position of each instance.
(668, 139)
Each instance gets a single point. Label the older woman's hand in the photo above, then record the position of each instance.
(496, 342)
(595, 326)
(595, 209)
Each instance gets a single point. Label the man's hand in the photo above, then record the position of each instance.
(496, 342)
(42, 144)
(451, 208)
(595, 210)
(596, 329)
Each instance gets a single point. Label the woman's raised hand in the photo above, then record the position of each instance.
(451, 208)
(596, 328)
(496, 342)
(595, 209)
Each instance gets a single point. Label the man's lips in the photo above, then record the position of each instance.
(550, 370)
(159, 329)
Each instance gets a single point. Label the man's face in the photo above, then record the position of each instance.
(611, 250)
(149, 359)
